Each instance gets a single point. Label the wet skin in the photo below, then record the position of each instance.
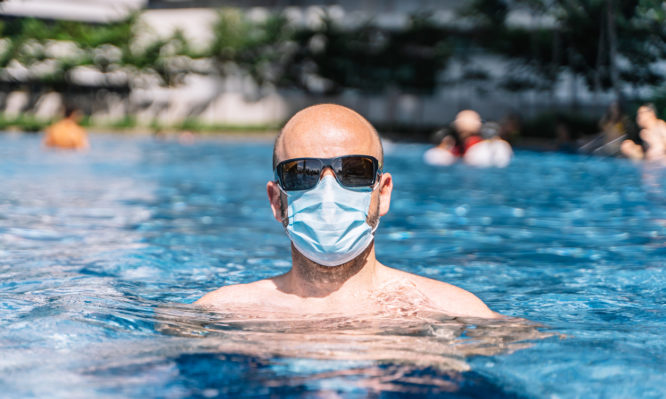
(66, 134)
(361, 286)
(653, 133)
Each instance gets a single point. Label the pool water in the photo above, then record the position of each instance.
(102, 253)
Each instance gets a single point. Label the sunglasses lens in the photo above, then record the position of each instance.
(356, 171)
(351, 171)
(300, 174)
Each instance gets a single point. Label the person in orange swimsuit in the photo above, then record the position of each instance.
(67, 133)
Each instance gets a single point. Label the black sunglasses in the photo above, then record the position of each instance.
(351, 171)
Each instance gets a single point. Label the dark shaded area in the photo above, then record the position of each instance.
(370, 58)
(236, 376)
(583, 37)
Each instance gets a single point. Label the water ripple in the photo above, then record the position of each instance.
(101, 254)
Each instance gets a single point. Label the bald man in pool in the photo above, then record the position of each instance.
(329, 193)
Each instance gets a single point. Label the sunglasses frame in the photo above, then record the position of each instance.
(328, 163)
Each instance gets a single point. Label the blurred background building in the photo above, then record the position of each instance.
(252, 63)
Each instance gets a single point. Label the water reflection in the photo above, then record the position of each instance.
(416, 339)
(86, 260)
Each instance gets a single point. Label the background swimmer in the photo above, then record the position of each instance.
(492, 151)
(67, 133)
(653, 134)
(480, 145)
(446, 152)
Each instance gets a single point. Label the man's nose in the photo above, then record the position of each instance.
(327, 172)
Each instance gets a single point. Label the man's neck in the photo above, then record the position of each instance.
(309, 279)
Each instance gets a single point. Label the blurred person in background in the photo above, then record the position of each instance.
(477, 144)
(491, 151)
(614, 127)
(653, 134)
(447, 150)
(452, 144)
(67, 133)
(468, 125)
(477, 150)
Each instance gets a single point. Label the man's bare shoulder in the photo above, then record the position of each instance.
(445, 296)
(239, 294)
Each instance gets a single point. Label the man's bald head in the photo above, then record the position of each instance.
(326, 131)
(467, 123)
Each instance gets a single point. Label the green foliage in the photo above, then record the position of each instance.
(232, 35)
(24, 122)
(91, 36)
(331, 58)
(370, 58)
(258, 48)
(27, 40)
(579, 41)
(127, 122)
(197, 125)
(191, 124)
(494, 12)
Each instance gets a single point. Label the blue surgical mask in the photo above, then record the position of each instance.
(327, 224)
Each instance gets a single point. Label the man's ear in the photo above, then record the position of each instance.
(385, 189)
(274, 194)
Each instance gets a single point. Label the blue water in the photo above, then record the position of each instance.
(102, 253)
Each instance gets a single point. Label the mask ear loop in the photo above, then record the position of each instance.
(379, 180)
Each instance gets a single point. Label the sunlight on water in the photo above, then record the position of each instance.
(102, 253)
